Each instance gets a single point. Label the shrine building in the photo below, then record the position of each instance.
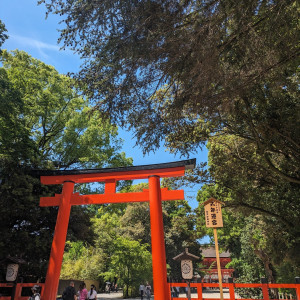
(210, 265)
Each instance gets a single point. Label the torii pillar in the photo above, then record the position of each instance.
(110, 176)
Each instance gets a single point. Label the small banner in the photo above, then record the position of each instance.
(187, 269)
(213, 213)
(12, 272)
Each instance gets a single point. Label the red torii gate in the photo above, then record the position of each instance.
(110, 176)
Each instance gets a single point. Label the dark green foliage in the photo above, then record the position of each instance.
(179, 231)
(260, 241)
(26, 229)
(178, 69)
(3, 35)
(130, 263)
(44, 123)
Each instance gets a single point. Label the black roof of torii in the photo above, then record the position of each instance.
(189, 164)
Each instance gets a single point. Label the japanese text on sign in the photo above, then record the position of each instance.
(213, 214)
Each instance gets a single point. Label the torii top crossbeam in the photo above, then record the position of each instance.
(172, 169)
(109, 176)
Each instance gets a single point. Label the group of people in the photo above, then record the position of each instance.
(145, 290)
(82, 294)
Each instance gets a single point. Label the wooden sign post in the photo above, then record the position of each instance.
(213, 218)
(187, 272)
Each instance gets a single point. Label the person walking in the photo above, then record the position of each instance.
(92, 294)
(142, 290)
(35, 293)
(82, 293)
(69, 293)
(173, 293)
(177, 291)
(148, 291)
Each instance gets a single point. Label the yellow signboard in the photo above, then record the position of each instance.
(213, 218)
(213, 213)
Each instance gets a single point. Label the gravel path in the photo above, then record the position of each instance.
(207, 295)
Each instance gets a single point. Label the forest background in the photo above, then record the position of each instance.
(187, 74)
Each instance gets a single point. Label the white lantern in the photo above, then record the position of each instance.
(12, 272)
(187, 269)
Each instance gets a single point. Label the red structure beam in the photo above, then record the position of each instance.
(77, 199)
(18, 292)
(110, 176)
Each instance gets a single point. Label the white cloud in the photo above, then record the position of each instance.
(41, 47)
(33, 42)
(63, 60)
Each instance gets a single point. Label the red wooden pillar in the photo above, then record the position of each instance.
(298, 291)
(297, 281)
(199, 291)
(231, 289)
(58, 244)
(159, 265)
(265, 288)
(18, 291)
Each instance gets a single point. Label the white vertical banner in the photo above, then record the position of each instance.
(187, 269)
(12, 272)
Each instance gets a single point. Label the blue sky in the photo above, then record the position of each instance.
(29, 30)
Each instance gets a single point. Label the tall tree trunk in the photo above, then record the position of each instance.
(268, 270)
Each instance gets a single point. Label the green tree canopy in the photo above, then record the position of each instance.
(179, 231)
(45, 122)
(182, 71)
(131, 263)
(260, 224)
(58, 118)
